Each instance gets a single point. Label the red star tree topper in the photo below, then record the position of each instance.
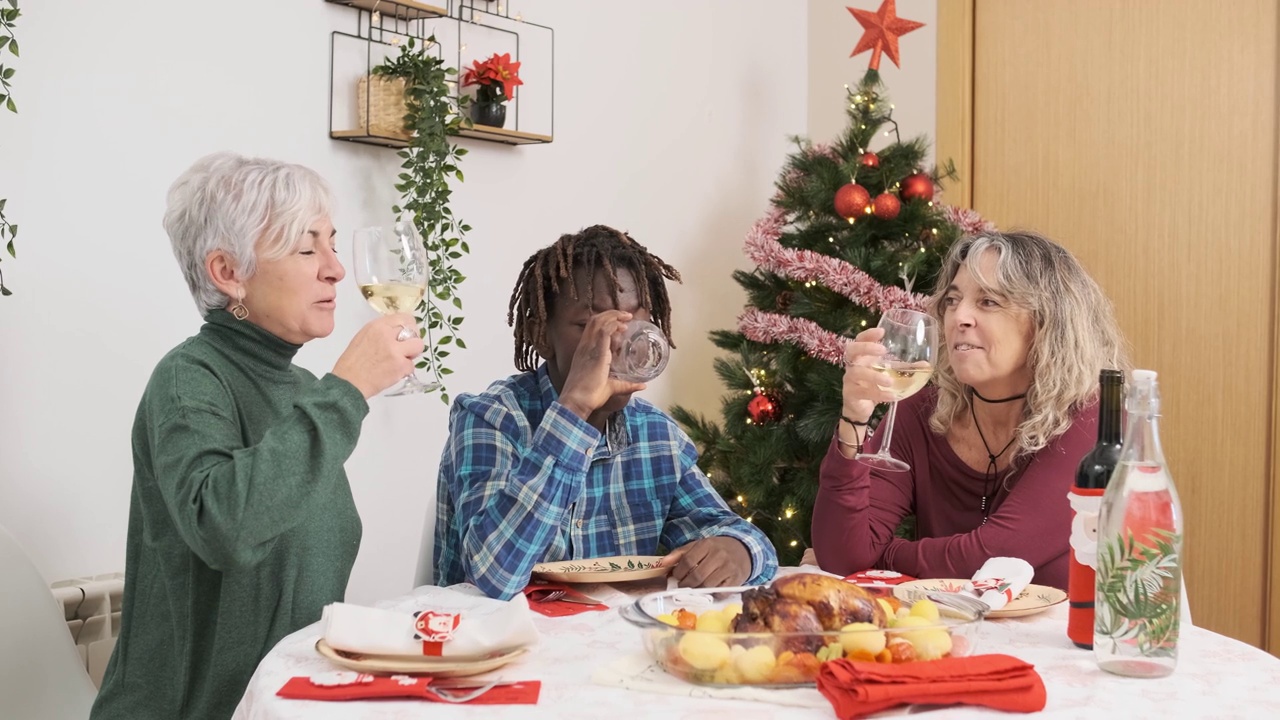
(880, 32)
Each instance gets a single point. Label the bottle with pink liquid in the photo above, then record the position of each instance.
(1140, 526)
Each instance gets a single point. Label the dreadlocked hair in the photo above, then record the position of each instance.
(597, 247)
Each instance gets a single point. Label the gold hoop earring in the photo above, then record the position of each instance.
(239, 311)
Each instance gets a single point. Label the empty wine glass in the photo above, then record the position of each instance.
(391, 271)
(911, 348)
(640, 353)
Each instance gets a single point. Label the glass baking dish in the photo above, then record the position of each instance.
(714, 656)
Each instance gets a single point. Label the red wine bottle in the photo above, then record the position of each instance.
(1092, 476)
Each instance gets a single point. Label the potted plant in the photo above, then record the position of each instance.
(495, 80)
(7, 17)
(429, 162)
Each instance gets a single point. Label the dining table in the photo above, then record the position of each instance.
(593, 665)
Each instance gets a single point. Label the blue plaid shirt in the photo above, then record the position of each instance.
(523, 480)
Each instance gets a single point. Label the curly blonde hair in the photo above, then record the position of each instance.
(1075, 337)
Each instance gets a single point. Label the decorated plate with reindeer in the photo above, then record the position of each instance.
(621, 568)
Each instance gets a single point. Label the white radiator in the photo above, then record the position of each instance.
(91, 606)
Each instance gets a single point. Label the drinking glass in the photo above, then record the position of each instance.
(640, 353)
(911, 344)
(391, 271)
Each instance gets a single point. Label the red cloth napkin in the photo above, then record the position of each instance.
(559, 608)
(372, 687)
(1002, 682)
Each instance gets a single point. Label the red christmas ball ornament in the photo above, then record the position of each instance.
(852, 201)
(764, 408)
(917, 187)
(870, 159)
(886, 206)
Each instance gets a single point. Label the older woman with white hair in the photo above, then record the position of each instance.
(993, 445)
(241, 521)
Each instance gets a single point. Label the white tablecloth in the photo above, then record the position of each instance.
(587, 662)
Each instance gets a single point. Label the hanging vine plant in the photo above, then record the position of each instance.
(8, 16)
(432, 116)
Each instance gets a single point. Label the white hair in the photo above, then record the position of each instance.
(249, 208)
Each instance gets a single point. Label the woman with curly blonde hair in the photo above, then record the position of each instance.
(994, 443)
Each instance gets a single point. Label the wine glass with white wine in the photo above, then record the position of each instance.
(391, 271)
(911, 349)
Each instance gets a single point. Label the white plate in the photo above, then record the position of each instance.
(1034, 599)
(620, 568)
(417, 665)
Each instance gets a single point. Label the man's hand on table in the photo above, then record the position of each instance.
(710, 562)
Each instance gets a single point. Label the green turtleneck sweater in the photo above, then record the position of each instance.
(241, 523)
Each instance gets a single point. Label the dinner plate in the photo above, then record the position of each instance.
(418, 665)
(1034, 599)
(620, 568)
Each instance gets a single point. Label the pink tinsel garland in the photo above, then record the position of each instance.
(766, 327)
(763, 248)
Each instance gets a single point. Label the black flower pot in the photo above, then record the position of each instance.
(493, 114)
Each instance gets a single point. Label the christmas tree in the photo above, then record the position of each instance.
(849, 233)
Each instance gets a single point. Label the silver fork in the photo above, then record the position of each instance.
(551, 596)
(463, 694)
(971, 605)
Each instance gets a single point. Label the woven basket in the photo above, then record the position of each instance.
(383, 113)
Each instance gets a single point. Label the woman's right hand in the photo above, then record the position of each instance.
(375, 360)
(863, 387)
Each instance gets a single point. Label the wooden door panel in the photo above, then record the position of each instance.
(1144, 140)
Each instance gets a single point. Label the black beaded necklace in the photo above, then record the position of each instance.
(989, 478)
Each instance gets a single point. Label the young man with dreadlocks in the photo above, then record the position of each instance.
(560, 461)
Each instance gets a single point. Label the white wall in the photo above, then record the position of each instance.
(833, 33)
(680, 146)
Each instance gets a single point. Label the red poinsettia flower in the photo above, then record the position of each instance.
(497, 77)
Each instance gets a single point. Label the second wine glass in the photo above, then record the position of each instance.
(911, 349)
(391, 271)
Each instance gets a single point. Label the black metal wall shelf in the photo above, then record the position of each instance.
(382, 25)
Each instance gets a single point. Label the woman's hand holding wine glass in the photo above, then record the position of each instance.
(893, 369)
(379, 356)
(391, 271)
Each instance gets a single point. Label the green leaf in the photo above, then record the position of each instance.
(445, 371)
(462, 344)
(13, 47)
(4, 41)
(12, 252)
(9, 104)
(13, 231)
(5, 291)
(457, 302)
(8, 72)
(445, 340)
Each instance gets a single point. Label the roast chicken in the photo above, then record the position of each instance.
(806, 603)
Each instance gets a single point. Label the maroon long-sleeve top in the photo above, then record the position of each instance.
(858, 508)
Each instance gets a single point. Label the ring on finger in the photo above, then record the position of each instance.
(404, 334)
